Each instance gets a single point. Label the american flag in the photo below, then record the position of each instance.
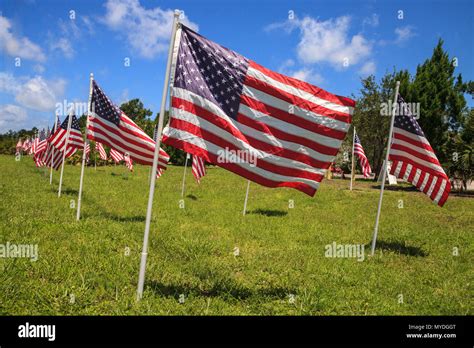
(19, 145)
(363, 161)
(27, 145)
(128, 161)
(109, 125)
(58, 140)
(116, 156)
(88, 151)
(413, 158)
(159, 172)
(41, 148)
(100, 148)
(285, 132)
(198, 168)
(48, 153)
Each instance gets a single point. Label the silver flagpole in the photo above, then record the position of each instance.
(376, 229)
(246, 197)
(184, 175)
(69, 121)
(78, 215)
(352, 166)
(141, 276)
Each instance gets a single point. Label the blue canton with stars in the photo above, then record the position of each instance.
(74, 123)
(210, 71)
(357, 140)
(405, 119)
(103, 107)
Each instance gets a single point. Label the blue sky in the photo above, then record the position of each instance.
(47, 51)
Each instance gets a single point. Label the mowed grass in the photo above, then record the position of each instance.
(83, 267)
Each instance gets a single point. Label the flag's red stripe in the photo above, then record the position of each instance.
(411, 141)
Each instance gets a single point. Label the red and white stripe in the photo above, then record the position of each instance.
(116, 156)
(100, 148)
(293, 149)
(128, 161)
(126, 138)
(198, 168)
(414, 160)
(58, 140)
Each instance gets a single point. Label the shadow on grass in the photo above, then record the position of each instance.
(218, 290)
(118, 218)
(269, 212)
(192, 197)
(401, 248)
(69, 192)
(397, 188)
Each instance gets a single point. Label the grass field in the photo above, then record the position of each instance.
(84, 267)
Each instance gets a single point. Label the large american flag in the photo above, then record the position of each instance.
(363, 161)
(413, 158)
(58, 139)
(198, 168)
(110, 126)
(224, 103)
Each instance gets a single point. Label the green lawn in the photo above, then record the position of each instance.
(83, 267)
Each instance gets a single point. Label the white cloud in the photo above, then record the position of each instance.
(308, 75)
(368, 68)
(404, 33)
(372, 21)
(330, 42)
(63, 45)
(11, 117)
(327, 41)
(38, 68)
(18, 46)
(146, 30)
(34, 93)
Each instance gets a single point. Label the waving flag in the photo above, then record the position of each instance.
(364, 162)
(413, 158)
(198, 168)
(58, 139)
(128, 161)
(109, 125)
(88, 151)
(100, 149)
(267, 127)
(116, 156)
(40, 149)
(19, 145)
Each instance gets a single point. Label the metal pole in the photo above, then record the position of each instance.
(352, 166)
(69, 121)
(141, 276)
(246, 197)
(184, 174)
(78, 215)
(376, 229)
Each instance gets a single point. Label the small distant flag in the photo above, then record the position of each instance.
(198, 168)
(413, 158)
(88, 151)
(19, 145)
(116, 156)
(109, 125)
(58, 139)
(364, 162)
(128, 161)
(100, 148)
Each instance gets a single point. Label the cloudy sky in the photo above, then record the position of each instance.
(49, 47)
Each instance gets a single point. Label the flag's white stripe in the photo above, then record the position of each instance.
(215, 149)
(298, 111)
(432, 186)
(418, 160)
(423, 184)
(240, 144)
(299, 92)
(407, 172)
(397, 169)
(417, 177)
(441, 191)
